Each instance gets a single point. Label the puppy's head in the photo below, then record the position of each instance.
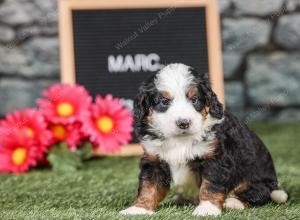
(174, 103)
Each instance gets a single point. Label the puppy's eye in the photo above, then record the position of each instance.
(165, 101)
(194, 100)
(161, 104)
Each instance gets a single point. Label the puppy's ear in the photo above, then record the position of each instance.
(211, 99)
(142, 103)
(215, 107)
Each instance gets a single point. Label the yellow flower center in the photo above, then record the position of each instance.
(65, 109)
(29, 132)
(59, 131)
(19, 156)
(105, 124)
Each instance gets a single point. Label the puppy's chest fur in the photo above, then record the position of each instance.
(178, 153)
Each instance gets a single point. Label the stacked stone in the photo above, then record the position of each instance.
(261, 55)
(28, 51)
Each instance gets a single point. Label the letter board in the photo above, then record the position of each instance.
(111, 46)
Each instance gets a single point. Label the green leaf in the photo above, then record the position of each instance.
(62, 159)
(85, 151)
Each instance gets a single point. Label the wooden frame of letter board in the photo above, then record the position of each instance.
(67, 57)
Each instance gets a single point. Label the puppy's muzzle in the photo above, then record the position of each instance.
(183, 123)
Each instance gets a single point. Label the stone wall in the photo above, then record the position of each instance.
(261, 44)
(29, 58)
(261, 53)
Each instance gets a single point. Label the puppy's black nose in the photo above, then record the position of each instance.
(183, 123)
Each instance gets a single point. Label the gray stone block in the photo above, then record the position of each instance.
(274, 79)
(234, 93)
(224, 6)
(287, 32)
(257, 113)
(44, 56)
(258, 7)
(17, 12)
(292, 5)
(18, 94)
(13, 61)
(288, 115)
(245, 34)
(7, 34)
(231, 63)
(35, 30)
(38, 57)
(24, 12)
(47, 11)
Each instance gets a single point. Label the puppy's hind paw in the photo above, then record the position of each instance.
(133, 210)
(206, 208)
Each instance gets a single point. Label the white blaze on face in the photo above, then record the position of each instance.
(178, 146)
(176, 80)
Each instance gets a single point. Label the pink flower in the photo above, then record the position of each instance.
(32, 122)
(109, 124)
(65, 104)
(69, 133)
(18, 152)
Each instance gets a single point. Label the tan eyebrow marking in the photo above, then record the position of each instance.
(204, 113)
(193, 90)
(166, 94)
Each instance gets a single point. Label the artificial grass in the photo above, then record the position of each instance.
(107, 185)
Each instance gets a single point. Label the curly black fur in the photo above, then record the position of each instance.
(154, 171)
(241, 157)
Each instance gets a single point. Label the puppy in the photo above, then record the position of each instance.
(189, 139)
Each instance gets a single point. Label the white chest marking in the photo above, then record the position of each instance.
(184, 181)
(177, 152)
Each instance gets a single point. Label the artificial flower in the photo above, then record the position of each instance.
(69, 133)
(65, 104)
(18, 152)
(109, 124)
(32, 122)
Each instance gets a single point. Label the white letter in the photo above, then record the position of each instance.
(128, 64)
(138, 59)
(153, 62)
(114, 65)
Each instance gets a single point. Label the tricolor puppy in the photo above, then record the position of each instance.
(189, 139)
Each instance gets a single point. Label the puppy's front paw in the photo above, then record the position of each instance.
(133, 210)
(233, 203)
(206, 208)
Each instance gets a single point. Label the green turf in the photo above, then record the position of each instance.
(105, 186)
